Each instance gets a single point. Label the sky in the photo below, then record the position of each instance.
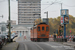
(53, 10)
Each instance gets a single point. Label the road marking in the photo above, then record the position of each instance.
(39, 47)
(68, 47)
(65, 47)
(25, 47)
(57, 48)
(48, 44)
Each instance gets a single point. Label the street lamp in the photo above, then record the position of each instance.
(1, 16)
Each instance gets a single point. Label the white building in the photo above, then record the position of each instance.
(21, 31)
(28, 11)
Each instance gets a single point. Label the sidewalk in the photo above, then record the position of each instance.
(10, 46)
(72, 44)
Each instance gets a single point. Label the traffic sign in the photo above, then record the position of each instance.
(64, 12)
(66, 20)
(61, 20)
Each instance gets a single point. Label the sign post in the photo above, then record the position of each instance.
(64, 19)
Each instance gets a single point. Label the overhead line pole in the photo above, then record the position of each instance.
(61, 5)
(47, 16)
(9, 22)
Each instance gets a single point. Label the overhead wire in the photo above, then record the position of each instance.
(50, 4)
(69, 6)
(47, 6)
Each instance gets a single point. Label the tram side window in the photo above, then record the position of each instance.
(47, 28)
(38, 28)
(42, 28)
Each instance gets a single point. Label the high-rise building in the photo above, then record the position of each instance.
(28, 11)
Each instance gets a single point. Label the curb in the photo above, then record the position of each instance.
(11, 47)
(17, 47)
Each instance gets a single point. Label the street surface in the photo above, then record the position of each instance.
(26, 44)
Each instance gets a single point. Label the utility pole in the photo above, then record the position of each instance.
(9, 22)
(64, 26)
(47, 16)
(61, 5)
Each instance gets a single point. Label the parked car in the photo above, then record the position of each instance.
(4, 39)
(1, 42)
(13, 35)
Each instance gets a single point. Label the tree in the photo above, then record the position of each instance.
(55, 22)
(37, 21)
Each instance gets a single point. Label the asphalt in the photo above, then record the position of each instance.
(22, 44)
(28, 45)
(72, 44)
(10, 46)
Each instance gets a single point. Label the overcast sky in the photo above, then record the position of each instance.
(53, 10)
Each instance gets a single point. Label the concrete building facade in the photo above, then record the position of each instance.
(28, 11)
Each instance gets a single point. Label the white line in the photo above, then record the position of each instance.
(25, 47)
(48, 44)
(39, 47)
(53, 46)
(65, 47)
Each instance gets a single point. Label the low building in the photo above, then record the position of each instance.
(20, 31)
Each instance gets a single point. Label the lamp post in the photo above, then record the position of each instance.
(1, 16)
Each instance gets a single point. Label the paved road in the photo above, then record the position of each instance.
(28, 45)
(25, 44)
